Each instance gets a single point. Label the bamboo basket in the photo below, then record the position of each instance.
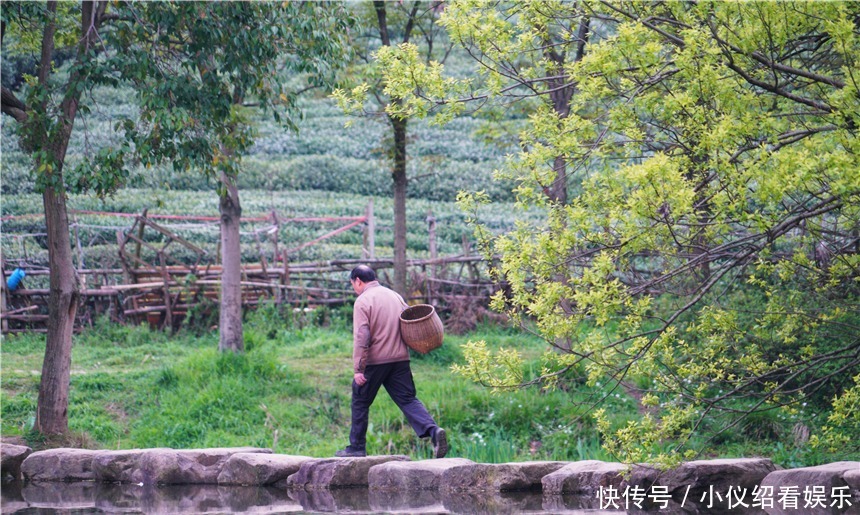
(421, 328)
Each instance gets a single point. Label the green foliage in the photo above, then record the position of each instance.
(190, 97)
(710, 252)
(842, 429)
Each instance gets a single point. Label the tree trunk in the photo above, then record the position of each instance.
(400, 185)
(231, 268)
(51, 414)
(561, 91)
(398, 172)
(52, 407)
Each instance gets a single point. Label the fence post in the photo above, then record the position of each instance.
(276, 252)
(5, 323)
(83, 277)
(263, 264)
(142, 221)
(120, 241)
(168, 310)
(431, 244)
(369, 249)
(285, 279)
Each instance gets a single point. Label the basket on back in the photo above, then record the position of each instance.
(421, 328)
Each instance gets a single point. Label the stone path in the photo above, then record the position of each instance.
(445, 483)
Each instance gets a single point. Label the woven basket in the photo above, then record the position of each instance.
(421, 328)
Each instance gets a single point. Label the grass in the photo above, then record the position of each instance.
(135, 388)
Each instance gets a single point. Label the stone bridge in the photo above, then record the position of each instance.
(454, 484)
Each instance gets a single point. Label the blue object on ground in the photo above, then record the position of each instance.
(15, 279)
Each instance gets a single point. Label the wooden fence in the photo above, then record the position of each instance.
(155, 286)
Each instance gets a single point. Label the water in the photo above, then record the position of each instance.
(89, 498)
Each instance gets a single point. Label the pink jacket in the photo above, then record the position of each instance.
(376, 327)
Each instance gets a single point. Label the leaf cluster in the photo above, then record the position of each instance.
(711, 249)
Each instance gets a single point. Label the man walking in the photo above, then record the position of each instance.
(380, 358)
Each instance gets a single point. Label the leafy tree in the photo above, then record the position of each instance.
(46, 118)
(394, 21)
(194, 66)
(710, 262)
(523, 51)
(192, 63)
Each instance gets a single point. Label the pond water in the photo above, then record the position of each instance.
(88, 497)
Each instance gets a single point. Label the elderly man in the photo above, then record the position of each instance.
(380, 358)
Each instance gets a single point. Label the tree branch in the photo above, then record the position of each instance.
(407, 32)
(13, 107)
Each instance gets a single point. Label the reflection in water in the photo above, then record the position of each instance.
(421, 501)
(332, 501)
(89, 497)
(504, 502)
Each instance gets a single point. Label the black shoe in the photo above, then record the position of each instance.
(440, 443)
(351, 452)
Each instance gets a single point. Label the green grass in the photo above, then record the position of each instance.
(134, 388)
(290, 391)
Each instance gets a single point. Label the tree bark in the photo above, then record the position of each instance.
(561, 92)
(560, 97)
(230, 313)
(12, 106)
(400, 186)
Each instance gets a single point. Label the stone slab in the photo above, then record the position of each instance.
(583, 477)
(852, 479)
(259, 469)
(62, 464)
(498, 477)
(336, 472)
(120, 466)
(412, 475)
(827, 477)
(695, 478)
(11, 458)
(198, 466)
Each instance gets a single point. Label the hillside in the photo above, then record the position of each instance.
(325, 169)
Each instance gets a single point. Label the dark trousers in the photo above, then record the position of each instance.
(397, 380)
